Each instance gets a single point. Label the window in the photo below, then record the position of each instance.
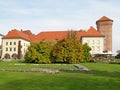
(93, 48)
(6, 43)
(14, 49)
(98, 41)
(14, 43)
(10, 49)
(98, 48)
(87, 41)
(10, 43)
(6, 49)
(93, 41)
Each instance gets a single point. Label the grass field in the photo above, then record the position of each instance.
(103, 77)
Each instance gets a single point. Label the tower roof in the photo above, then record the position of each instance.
(104, 18)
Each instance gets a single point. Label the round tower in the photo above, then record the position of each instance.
(104, 25)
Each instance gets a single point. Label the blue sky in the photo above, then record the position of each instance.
(50, 15)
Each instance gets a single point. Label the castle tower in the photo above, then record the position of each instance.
(104, 25)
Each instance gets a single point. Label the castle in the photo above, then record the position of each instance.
(16, 42)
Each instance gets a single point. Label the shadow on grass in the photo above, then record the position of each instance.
(96, 73)
(76, 71)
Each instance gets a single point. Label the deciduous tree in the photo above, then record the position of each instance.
(38, 53)
(68, 50)
(86, 52)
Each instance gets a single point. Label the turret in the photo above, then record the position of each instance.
(104, 26)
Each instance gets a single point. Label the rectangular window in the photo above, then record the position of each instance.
(87, 41)
(10, 49)
(6, 49)
(98, 41)
(14, 43)
(6, 43)
(93, 41)
(10, 43)
(93, 48)
(14, 49)
(98, 48)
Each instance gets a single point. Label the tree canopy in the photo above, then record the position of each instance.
(68, 50)
(38, 53)
(86, 52)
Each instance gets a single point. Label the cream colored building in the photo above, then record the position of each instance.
(96, 44)
(1, 39)
(10, 48)
(14, 45)
(1, 45)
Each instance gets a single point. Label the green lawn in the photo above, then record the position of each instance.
(103, 77)
(20, 65)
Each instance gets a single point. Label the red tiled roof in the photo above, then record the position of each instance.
(30, 34)
(16, 34)
(104, 18)
(92, 32)
(50, 36)
(59, 35)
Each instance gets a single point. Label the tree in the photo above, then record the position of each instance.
(86, 53)
(38, 53)
(118, 54)
(118, 51)
(68, 50)
(72, 34)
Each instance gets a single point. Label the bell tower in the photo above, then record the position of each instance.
(104, 26)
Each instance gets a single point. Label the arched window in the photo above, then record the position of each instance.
(7, 56)
(14, 56)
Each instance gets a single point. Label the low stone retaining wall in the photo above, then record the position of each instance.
(52, 71)
(82, 68)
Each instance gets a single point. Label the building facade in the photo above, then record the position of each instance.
(96, 44)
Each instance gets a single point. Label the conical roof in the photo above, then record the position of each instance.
(104, 18)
